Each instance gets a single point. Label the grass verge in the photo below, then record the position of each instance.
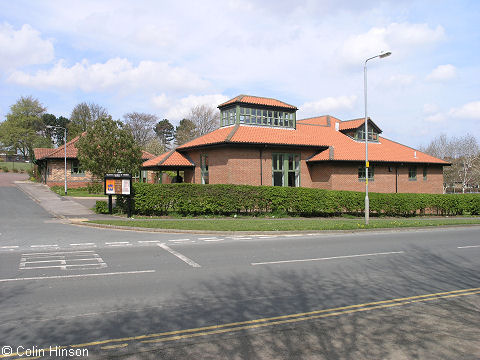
(285, 224)
(19, 166)
(81, 192)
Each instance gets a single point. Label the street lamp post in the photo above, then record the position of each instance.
(65, 148)
(367, 201)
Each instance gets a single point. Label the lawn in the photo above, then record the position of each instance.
(286, 224)
(16, 165)
(81, 192)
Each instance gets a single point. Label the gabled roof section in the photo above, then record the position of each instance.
(243, 134)
(41, 153)
(382, 151)
(356, 123)
(256, 100)
(146, 155)
(171, 158)
(59, 152)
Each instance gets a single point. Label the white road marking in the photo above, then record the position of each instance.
(117, 243)
(179, 240)
(42, 246)
(83, 244)
(148, 241)
(62, 260)
(293, 235)
(59, 253)
(180, 256)
(77, 276)
(267, 236)
(9, 247)
(327, 258)
(467, 247)
(214, 240)
(208, 238)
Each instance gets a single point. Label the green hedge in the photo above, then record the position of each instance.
(195, 199)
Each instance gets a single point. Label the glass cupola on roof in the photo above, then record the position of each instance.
(257, 111)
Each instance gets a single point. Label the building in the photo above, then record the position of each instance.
(261, 142)
(51, 166)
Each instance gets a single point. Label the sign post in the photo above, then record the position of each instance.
(118, 184)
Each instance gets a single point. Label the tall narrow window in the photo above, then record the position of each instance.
(204, 168)
(286, 170)
(412, 173)
(425, 173)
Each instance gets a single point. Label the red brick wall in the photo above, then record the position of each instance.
(232, 165)
(56, 175)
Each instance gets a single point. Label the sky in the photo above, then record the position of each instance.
(164, 57)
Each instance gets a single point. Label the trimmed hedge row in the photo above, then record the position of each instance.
(195, 199)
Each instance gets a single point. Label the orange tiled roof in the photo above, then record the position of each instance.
(356, 123)
(384, 151)
(40, 153)
(59, 152)
(256, 100)
(170, 158)
(309, 133)
(146, 155)
(72, 151)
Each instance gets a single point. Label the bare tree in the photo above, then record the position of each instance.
(155, 147)
(464, 155)
(141, 126)
(205, 118)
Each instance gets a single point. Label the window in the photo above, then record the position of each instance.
(257, 117)
(412, 173)
(362, 173)
(204, 168)
(76, 170)
(424, 173)
(360, 134)
(286, 170)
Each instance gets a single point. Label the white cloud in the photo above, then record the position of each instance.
(23, 47)
(470, 110)
(430, 108)
(117, 74)
(442, 73)
(177, 109)
(398, 38)
(326, 105)
(436, 118)
(401, 79)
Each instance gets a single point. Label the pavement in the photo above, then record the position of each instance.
(59, 206)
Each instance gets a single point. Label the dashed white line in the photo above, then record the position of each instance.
(77, 276)
(179, 240)
(148, 241)
(293, 235)
(208, 238)
(83, 244)
(327, 258)
(467, 247)
(117, 243)
(180, 256)
(43, 246)
(9, 247)
(214, 240)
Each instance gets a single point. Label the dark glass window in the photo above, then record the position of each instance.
(412, 173)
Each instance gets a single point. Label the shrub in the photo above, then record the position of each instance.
(101, 207)
(5, 169)
(95, 188)
(195, 199)
(15, 170)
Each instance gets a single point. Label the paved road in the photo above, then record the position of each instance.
(376, 295)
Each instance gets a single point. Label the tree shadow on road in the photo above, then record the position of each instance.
(439, 329)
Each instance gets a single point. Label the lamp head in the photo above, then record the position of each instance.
(384, 55)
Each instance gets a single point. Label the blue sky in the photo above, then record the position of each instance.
(163, 57)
